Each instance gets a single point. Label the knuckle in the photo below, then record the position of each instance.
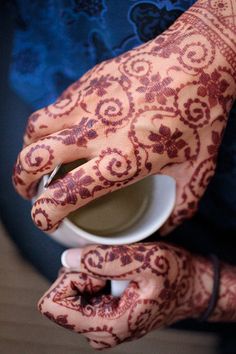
(31, 128)
(43, 213)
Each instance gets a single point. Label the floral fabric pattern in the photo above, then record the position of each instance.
(57, 42)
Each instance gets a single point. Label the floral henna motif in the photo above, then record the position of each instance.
(165, 141)
(66, 191)
(212, 86)
(155, 89)
(98, 86)
(78, 134)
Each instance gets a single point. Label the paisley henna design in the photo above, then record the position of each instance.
(181, 288)
(159, 108)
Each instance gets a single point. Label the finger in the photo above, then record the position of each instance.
(127, 262)
(99, 176)
(42, 157)
(55, 117)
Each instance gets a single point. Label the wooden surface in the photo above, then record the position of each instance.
(24, 331)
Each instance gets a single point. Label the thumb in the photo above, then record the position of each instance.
(108, 262)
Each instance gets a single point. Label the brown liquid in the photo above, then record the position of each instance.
(113, 212)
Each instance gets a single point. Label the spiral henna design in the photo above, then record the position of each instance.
(167, 284)
(159, 108)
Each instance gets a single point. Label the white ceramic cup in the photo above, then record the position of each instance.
(160, 204)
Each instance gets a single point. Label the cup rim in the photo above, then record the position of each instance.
(138, 236)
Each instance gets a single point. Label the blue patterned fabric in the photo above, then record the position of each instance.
(57, 41)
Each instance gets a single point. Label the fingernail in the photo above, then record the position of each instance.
(71, 258)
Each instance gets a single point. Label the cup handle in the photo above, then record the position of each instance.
(118, 287)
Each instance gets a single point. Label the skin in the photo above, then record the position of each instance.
(159, 108)
(167, 284)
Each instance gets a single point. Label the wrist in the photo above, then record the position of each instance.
(215, 25)
(203, 279)
(225, 308)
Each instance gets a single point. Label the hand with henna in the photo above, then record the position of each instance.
(159, 108)
(167, 284)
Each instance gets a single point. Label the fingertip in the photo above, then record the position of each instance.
(71, 258)
(63, 259)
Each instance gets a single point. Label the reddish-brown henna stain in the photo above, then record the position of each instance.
(78, 134)
(178, 285)
(171, 299)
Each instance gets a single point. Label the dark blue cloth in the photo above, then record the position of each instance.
(57, 41)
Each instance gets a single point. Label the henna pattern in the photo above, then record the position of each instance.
(38, 159)
(181, 288)
(156, 89)
(116, 167)
(61, 320)
(140, 309)
(66, 192)
(64, 105)
(40, 216)
(225, 309)
(159, 108)
(78, 134)
(167, 284)
(165, 141)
